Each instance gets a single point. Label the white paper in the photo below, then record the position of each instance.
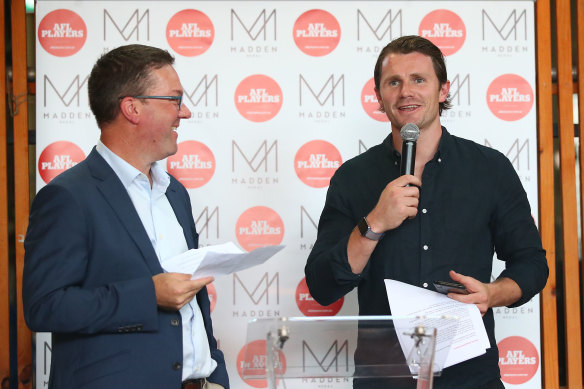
(471, 338)
(218, 260)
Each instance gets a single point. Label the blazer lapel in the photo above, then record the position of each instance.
(117, 197)
(176, 199)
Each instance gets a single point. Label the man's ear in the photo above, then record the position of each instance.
(131, 109)
(379, 99)
(444, 90)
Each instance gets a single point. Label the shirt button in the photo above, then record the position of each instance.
(439, 160)
(174, 322)
(395, 163)
(424, 210)
(176, 366)
(425, 285)
(426, 247)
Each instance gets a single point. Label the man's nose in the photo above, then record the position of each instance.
(184, 112)
(406, 89)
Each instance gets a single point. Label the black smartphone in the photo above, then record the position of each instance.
(449, 287)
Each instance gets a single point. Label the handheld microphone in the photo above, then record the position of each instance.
(409, 134)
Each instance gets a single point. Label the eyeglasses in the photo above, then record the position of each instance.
(178, 99)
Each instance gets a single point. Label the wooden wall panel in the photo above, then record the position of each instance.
(4, 266)
(572, 308)
(580, 53)
(580, 91)
(21, 181)
(549, 323)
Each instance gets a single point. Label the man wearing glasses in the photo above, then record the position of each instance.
(99, 234)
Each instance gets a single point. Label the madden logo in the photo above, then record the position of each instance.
(509, 95)
(190, 30)
(442, 30)
(516, 357)
(317, 30)
(325, 382)
(260, 227)
(60, 162)
(258, 96)
(318, 161)
(62, 30)
(191, 161)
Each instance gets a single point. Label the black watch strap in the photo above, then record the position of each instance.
(366, 231)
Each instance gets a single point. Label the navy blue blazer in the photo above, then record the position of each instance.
(88, 279)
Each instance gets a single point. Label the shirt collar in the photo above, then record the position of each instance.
(445, 145)
(128, 173)
(160, 178)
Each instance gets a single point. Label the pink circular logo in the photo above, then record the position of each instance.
(190, 32)
(309, 307)
(510, 97)
(193, 164)
(251, 361)
(445, 29)
(518, 360)
(316, 162)
(58, 157)
(317, 32)
(258, 98)
(370, 103)
(62, 33)
(258, 227)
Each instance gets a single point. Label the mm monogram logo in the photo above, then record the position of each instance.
(68, 94)
(131, 28)
(337, 355)
(206, 92)
(259, 159)
(516, 153)
(205, 220)
(515, 25)
(261, 291)
(460, 89)
(388, 28)
(327, 92)
(264, 25)
(362, 147)
(310, 221)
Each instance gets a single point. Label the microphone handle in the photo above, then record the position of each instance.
(408, 158)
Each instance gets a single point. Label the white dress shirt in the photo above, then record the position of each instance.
(167, 237)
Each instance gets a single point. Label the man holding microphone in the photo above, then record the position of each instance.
(444, 220)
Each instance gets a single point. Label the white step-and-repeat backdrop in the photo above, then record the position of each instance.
(281, 94)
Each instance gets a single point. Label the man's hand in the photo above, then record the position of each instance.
(175, 290)
(396, 203)
(501, 292)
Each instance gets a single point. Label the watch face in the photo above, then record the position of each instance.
(363, 227)
(366, 231)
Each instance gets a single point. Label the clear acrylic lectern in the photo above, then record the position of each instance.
(346, 347)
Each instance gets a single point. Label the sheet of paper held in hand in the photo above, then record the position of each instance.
(471, 338)
(218, 260)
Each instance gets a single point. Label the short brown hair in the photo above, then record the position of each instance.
(123, 71)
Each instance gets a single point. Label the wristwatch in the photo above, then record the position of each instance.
(366, 231)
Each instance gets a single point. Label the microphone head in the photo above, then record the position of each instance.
(410, 132)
